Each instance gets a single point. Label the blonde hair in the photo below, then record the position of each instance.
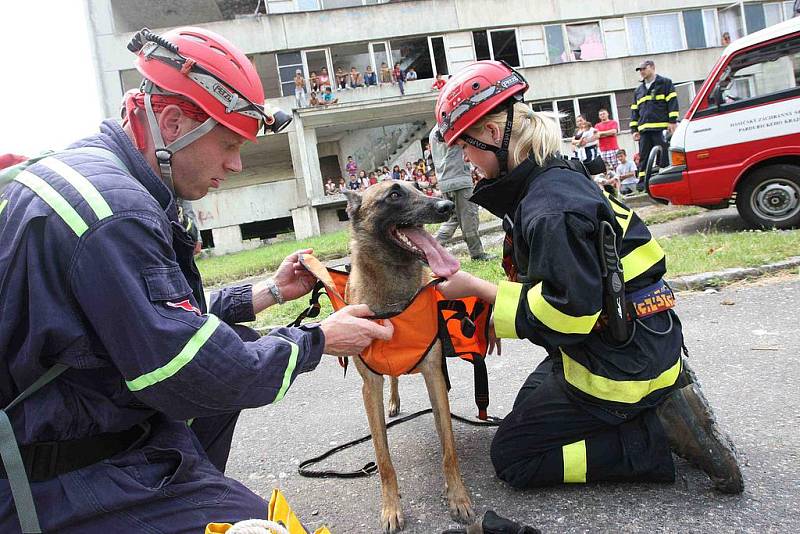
(537, 134)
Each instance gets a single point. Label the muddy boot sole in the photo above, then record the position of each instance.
(695, 436)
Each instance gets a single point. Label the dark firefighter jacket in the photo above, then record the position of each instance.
(557, 299)
(654, 108)
(96, 273)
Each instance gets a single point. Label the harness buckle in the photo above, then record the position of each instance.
(163, 156)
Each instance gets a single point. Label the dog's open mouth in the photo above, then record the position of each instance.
(416, 240)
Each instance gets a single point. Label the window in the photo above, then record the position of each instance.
(415, 53)
(664, 33)
(730, 23)
(130, 79)
(499, 45)
(570, 108)
(637, 43)
(346, 56)
(693, 23)
(288, 64)
(556, 51)
(762, 72)
(754, 17)
(439, 55)
(710, 27)
(585, 41)
(686, 94)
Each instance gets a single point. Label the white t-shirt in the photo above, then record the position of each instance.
(625, 168)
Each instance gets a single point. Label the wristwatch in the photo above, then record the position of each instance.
(275, 291)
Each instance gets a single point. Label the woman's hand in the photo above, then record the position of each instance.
(462, 284)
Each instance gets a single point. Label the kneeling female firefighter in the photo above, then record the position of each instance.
(585, 282)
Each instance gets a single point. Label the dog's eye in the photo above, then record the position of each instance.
(394, 195)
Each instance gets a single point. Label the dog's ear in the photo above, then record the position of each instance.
(353, 203)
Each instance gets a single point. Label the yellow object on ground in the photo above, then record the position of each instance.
(280, 519)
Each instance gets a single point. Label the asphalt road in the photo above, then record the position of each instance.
(744, 346)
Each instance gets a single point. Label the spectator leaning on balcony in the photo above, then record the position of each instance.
(355, 78)
(341, 78)
(399, 77)
(328, 96)
(386, 73)
(654, 109)
(411, 74)
(370, 77)
(299, 89)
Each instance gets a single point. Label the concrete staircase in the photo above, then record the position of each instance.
(417, 131)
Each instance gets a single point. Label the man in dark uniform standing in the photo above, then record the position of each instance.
(654, 109)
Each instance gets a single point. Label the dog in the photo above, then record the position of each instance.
(392, 257)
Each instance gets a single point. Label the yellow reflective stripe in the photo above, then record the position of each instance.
(660, 97)
(557, 320)
(644, 99)
(648, 125)
(623, 215)
(624, 391)
(53, 199)
(189, 225)
(79, 182)
(634, 123)
(672, 95)
(641, 258)
(574, 462)
(3, 205)
(641, 174)
(505, 309)
(634, 106)
(674, 114)
(177, 363)
(287, 374)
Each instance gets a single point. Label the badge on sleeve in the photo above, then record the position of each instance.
(184, 305)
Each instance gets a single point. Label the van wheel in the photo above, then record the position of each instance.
(770, 197)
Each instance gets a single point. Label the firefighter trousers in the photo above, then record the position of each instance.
(549, 438)
(647, 140)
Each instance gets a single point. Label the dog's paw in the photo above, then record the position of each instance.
(461, 508)
(392, 518)
(394, 408)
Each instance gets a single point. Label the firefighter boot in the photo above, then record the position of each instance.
(494, 524)
(695, 436)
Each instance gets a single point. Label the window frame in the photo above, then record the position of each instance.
(646, 30)
(583, 22)
(577, 107)
(329, 65)
(488, 33)
(433, 57)
(301, 65)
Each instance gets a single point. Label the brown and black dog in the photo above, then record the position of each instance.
(389, 252)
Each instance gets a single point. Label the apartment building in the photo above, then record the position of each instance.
(578, 57)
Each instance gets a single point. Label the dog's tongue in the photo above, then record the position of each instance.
(441, 262)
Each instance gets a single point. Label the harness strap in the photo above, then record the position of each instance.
(12, 459)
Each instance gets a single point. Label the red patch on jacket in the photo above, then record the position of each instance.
(185, 305)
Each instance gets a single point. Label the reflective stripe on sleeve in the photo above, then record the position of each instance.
(290, 365)
(634, 106)
(505, 309)
(624, 391)
(53, 199)
(649, 125)
(634, 123)
(574, 462)
(674, 114)
(3, 205)
(641, 258)
(557, 320)
(177, 363)
(672, 95)
(83, 186)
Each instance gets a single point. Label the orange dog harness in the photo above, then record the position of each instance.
(461, 324)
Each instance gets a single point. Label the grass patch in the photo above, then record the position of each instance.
(232, 267)
(714, 251)
(663, 216)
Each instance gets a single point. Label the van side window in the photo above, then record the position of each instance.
(762, 75)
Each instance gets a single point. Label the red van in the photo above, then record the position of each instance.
(740, 139)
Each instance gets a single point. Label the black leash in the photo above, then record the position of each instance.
(370, 468)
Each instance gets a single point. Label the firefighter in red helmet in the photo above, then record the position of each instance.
(121, 385)
(614, 397)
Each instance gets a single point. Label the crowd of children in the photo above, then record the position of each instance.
(420, 174)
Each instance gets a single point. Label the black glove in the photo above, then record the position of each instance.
(494, 524)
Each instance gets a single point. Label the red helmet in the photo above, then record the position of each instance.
(473, 92)
(208, 70)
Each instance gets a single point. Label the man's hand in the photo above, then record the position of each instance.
(292, 279)
(348, 334)
(636, 136)
(672, 126)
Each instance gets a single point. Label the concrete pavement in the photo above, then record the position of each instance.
(744, 346)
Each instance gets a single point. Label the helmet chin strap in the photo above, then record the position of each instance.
(164, 152)
(500, 152)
